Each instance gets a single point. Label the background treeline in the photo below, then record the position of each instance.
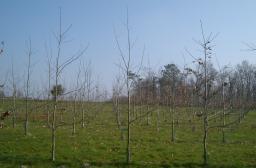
(186, 85)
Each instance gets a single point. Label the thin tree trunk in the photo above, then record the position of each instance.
(14, 111)
(205, 109)
(158, 118)
(173, 119)
(118, 112)
(14, 99)
(148, 122)
(83, 120)
(223, 114)
(54, 129)
(128, 157)
(49, 94)
(27, 88)
(74, 119)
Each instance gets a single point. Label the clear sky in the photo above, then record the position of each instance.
(164, 27)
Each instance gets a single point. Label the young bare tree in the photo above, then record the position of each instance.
(27, 90)
(117, 90)
(128, 78)
(127, 70)
(49, 62)
(158, 101)
(14, 88)
(2, 84)
(86, 90)
(223, 82)
(77, 89)
(59, 67)
(169, 83)
(203, 86)
(149, 93)
(208, 91)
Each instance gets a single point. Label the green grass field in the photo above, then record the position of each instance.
(99, 144)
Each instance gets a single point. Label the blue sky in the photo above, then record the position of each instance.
(164, 27)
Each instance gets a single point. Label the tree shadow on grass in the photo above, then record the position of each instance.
(18, 160)
(122, 164)
(152, 165)
(34, 161)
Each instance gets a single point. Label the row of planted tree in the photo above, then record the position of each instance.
(197, 87)
(229, 91)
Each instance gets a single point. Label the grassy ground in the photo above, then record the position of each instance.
(100, 143)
